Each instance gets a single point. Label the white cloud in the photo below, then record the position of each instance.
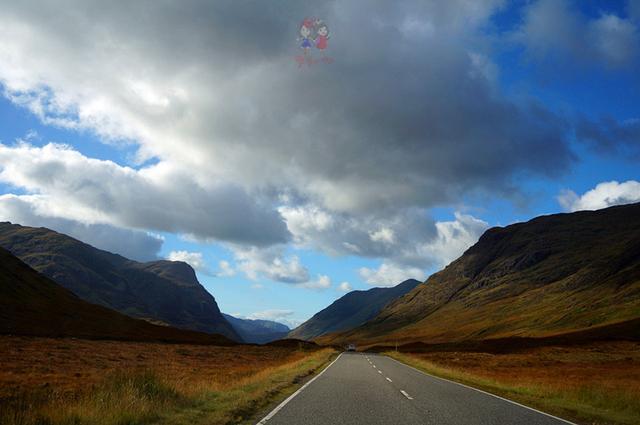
(383, 235)
(225, 269)
(271, 314)
(67, 184)
(345, 287)
(29, 210)
(272, 264)
(604, 195)
(410, 239)
(390, 274)
(194, 259)
(276, 315)
(453, 238)
(320, 283)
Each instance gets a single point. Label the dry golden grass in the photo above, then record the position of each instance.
(68, 381)
(594, 384)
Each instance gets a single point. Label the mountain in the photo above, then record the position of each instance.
(552, 275)
(32, 304)
(257, 331)
(162, 292)
(351, 310)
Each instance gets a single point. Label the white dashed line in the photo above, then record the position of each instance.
(484, 392)
(404, 393)
(389, 379)
(379, 371)
(374, 366)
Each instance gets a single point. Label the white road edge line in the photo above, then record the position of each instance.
(485, 392)
(404, 393)
(389, 379)
(292, 396)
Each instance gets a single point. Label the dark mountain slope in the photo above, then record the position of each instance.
(554, 274)
(257, 331)
(32, 304)
(160, 291)
(351, 310)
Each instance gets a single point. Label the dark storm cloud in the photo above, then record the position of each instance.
(408, 115)
(609, 135)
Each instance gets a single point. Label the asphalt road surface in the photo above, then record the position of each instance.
(362, 388)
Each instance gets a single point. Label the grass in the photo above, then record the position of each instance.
(596, 385)
(117, 383)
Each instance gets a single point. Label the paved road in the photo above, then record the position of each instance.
(372, 389)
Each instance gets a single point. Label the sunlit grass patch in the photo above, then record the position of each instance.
(595, 397)
(168, 385)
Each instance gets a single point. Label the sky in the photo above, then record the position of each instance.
(286, 176)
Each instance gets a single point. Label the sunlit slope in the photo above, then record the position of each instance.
(551, 275)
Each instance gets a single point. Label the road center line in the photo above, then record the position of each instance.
(404, 393)
(484, 392)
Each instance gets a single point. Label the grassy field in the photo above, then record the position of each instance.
(69, 381)
(594, 384)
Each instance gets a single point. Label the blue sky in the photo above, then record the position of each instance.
(280, 183)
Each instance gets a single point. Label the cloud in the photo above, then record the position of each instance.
(415, 121)
(453, 238)
(345, 287)
(320, 283)
(225, 269)
(66, 184)
(552, 29)
(633, 8)
(27, 210)
(604, 195)
(610, 136)
(272, 264)
(408, 238)
(194, 259)
(390, 274)
(276, 315)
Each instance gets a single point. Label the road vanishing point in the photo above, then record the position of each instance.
(363, 388)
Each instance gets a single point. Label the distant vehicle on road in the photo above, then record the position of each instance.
(351, 347)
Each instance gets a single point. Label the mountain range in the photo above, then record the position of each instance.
(162, 292)
(32, 304)
(351, 310)
(257, 331)
(554, 274)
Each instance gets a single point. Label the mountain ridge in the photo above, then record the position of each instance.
(257, 331)
(351, 310)
(34, 305)
(553, 274)
(159, 291)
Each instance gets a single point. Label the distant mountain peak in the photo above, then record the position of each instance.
(351, 310)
